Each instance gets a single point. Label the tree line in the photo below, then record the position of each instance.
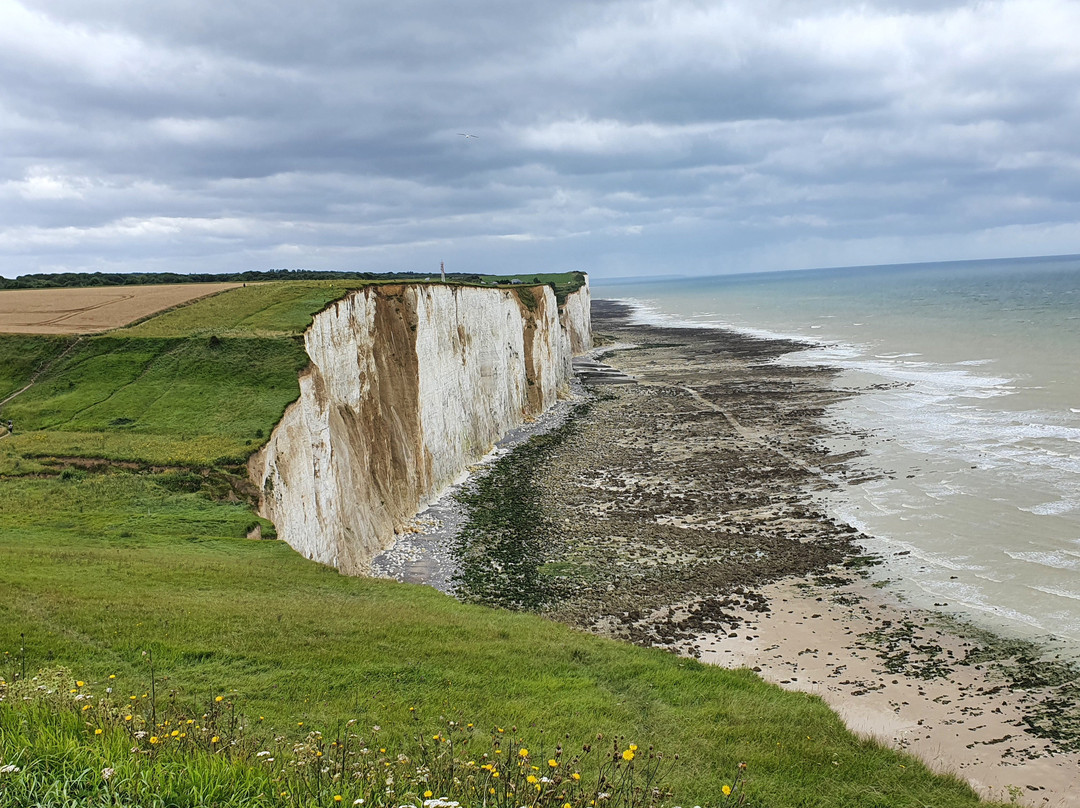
(83, 279)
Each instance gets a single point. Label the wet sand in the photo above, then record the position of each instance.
(680, 512)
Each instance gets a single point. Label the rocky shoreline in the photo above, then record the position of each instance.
(679, 512)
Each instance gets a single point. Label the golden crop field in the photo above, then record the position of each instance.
(93, 309)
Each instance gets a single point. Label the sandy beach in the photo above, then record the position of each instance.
(679, 511)
(898, 676)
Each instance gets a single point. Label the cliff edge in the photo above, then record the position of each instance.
(408, 385)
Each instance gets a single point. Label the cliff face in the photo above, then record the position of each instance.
(407, 386)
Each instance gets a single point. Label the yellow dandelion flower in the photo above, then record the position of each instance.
(576, 776)
(112, 675)
(491, 790)
(154, 739)
(98, 731)
(427, 794)
(726, 789)
(553, 763)
(338, 798)
(86, 707)
(215, 739)
(127, 717)
(627, 755)
(494, 774)
(79, 684)
(523, 753)
(220, 698)
(633, 747)
(567, 805)
(73, 690)
(531, 779)
(175, 732)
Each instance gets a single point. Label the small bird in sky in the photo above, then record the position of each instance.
(466, 134)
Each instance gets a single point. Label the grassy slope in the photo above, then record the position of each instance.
(20, 358)
(95, 568)
(198, 385)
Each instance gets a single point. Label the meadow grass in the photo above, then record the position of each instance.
(98, 568)
(72, 743)
(104, 569)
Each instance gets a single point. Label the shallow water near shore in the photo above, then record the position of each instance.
(968, 414)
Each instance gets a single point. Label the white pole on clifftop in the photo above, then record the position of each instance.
(442, 270)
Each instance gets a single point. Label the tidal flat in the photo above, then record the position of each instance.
(680, 512)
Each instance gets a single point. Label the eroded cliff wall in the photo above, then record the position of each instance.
(408, 385)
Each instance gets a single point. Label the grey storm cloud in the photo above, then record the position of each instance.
(618, 136)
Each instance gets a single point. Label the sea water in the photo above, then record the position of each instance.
(968, 413)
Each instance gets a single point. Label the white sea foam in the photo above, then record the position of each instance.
(970, 399)
(645, 312)
(1054, 508)
(1059, 560)
(1055, 590)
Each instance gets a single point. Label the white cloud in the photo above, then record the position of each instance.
(43, 183)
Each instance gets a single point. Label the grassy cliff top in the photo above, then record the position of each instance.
(201, 385)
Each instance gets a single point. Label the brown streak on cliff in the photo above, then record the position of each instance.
(529, 317)
(389, 464)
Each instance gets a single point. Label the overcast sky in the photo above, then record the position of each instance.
(619, 137)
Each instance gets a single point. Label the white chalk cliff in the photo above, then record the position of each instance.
(407, 386)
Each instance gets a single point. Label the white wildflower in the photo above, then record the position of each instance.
(11, 768)
(107, 773)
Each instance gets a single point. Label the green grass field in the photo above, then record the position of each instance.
(107, 566)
